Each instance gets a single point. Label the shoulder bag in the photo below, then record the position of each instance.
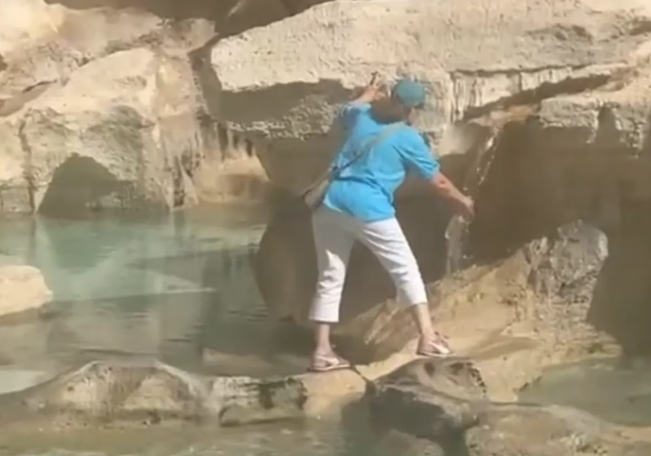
(314, 195)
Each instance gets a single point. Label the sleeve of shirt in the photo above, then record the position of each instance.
(350, 112)
(418, 157)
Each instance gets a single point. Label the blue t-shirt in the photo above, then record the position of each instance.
(365, 189)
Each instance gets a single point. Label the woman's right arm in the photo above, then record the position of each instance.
(444, 187)
(417, 155)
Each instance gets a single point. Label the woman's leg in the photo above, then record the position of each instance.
(333, 240)
(389, 244)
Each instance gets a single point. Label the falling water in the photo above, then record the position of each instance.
(462, 139)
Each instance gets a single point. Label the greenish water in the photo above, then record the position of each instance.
(614, 391)
(178, 288)
(311, 438)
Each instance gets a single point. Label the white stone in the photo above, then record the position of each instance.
(22, 288)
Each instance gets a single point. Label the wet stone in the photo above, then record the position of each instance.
(130, 394)
(443, 402)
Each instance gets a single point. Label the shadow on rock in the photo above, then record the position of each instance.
(620, 304)
(442, 402)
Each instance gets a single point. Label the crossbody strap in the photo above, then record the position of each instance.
(369, 145)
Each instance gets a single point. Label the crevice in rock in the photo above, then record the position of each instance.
(543, 91)
(219, 12)
(3, 64)
(9, 106)
(28, 175)
(640, 27)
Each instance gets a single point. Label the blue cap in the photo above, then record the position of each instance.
(410, 93)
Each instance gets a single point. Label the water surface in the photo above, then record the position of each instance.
(177, 287)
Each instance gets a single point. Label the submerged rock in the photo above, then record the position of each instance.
(440, 401)
(123, 394)
(22, 288)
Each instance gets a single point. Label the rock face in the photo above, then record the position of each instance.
(22, 288)
(101, 106)
(471, 63)
(442, 403)
(118, 148)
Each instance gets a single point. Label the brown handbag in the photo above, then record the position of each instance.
(314, 195)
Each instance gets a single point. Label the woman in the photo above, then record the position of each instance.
(358, 206)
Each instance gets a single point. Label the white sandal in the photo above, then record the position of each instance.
(325, 363)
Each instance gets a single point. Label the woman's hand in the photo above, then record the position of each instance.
(466, 207)
(463, 204)
(374, 90)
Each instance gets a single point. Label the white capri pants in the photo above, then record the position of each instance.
(334, 236)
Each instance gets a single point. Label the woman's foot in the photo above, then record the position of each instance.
(327, 363)
(434, 347)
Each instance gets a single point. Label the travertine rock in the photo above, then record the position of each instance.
(440, 403)
(22, 288)
(285, 79)
(113, 135)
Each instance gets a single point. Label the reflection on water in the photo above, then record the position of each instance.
(169, 287)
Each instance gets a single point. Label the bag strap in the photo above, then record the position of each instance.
(369, 145)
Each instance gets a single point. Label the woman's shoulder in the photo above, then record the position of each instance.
(413, 134)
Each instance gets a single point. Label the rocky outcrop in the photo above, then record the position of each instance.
(141, 394)
(439, 407)
(245, 109)
(117, 148)
(22, 288)
(100, 103)
(513, 53)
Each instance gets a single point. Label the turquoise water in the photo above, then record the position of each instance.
(178, 288)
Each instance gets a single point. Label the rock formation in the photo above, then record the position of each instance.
(100, 106)
(144, 394)
(22, 288)
(474, 59)
(211, 101)
(439, 407)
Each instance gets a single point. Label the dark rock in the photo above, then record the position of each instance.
(443, 401)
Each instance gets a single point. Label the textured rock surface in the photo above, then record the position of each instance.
(473, 58)
(22, 288)
(59, 54)
(441, 403)
(119, 394)
(121, 143)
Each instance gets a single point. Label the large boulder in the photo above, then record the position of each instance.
(438, 408)
(113, 135)
(473, 58)
(55, 50)
(22, 288)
